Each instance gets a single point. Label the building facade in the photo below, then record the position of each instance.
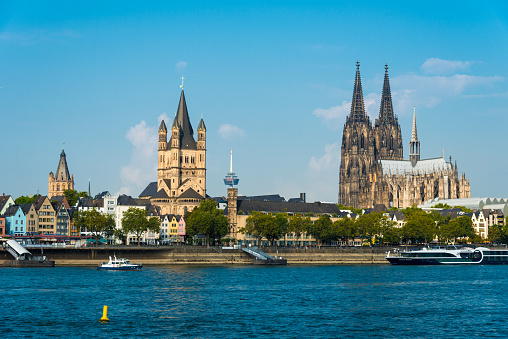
(181, 175)
(372, 169)
(61, 180)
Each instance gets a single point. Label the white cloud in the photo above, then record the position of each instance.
(164, 117)
(143, 166)
(229, 132)
(323, 174)
(440, 66)
(428, 91)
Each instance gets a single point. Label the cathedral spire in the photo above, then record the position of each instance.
(62, 172)
(414, 134)
(357, 105)
(386, 109)
(414, 144)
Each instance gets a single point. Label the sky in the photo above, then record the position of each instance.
(273, 80)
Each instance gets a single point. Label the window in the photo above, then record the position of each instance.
(16, 223)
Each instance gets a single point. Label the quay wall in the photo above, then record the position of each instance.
(91, 256)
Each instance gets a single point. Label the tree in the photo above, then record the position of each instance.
(257, 224)
(95, 222)
(298, 225)
(26, 199)
(420, 226)
(346, 229)
(136, 220)
(206, 220)
(73, 196)
(321, 230)
(368, 225)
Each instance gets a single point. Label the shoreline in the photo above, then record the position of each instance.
(178, 256)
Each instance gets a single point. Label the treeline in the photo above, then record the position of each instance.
(370, 228)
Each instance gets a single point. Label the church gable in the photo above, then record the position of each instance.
(190, 184)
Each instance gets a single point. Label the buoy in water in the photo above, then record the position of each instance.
(104, 318)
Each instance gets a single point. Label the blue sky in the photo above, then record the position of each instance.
(273, 80)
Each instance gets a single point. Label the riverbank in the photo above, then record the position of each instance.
(192, 255)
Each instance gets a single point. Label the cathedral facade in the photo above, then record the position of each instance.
(61, 180)
(181, 174)
(372, 168)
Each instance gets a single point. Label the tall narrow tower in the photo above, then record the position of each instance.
(231, 178)
(387, 130)
(357, 153)
(61, 180)
(414, 144)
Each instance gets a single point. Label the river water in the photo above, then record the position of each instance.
(256, 302)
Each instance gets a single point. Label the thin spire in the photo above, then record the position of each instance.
(357, 105)
(414, 134)
(231, 162)
(181, 86)
(386, 109)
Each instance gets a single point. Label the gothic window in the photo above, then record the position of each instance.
(200, 159)
(192, 160)
(58, 187)
(391, 143)
(362, 142)
(186, 159)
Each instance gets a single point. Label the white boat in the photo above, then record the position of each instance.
(121, 264)
(450, 255)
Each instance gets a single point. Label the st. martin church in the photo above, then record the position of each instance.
(372, 169)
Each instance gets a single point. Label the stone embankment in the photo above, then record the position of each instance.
(193, 255)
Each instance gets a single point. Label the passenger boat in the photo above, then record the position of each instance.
(449, 255)
(121, 264)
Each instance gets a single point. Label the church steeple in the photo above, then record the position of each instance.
(386, 109)
(182, 121)
(414, 144)
(62, 172)
(357, 104)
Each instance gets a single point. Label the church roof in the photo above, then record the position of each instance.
(182, 120)
(162, 126)
(150, 190)
(62, 172)
(161, 194)
(422, 166)
(201, 125)
(126, 200)
(190, 194)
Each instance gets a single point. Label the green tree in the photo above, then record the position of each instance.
(420, 226)
(346, 229)
(368, 226)
(73, 196)
(298, 225)
(280, 227)
(206, 220)
(26, 199)
(256, 224)
(321, 229)
(136, 220)
(94, 222)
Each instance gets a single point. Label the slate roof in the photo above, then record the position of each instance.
(190, 194)
(26, 208)
(85, 202)
(289, 207)
(39, 200)
(201, 125)
(150, 190)
(62, 171)
(182, 121)
(161, 195)
(126, 200)
(398, 214)
(162, 126)
(60, 199)
(268, 197)
(11, 210)
(3, 200)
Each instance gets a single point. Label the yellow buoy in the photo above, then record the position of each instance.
(104, 318)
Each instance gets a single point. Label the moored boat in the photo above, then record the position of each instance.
(121, 264)
(449, 255)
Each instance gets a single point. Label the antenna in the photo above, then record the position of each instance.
(181, 86)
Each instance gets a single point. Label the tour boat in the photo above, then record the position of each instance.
(121, 264)
(449, 255)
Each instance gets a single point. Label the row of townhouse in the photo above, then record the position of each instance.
(43, 216)
(172, 229)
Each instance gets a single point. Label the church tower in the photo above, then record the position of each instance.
(414, 144)
(358, 165)
(387, 130)
(181, 177)
(61, 180)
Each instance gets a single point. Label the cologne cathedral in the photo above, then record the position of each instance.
(372, 168)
